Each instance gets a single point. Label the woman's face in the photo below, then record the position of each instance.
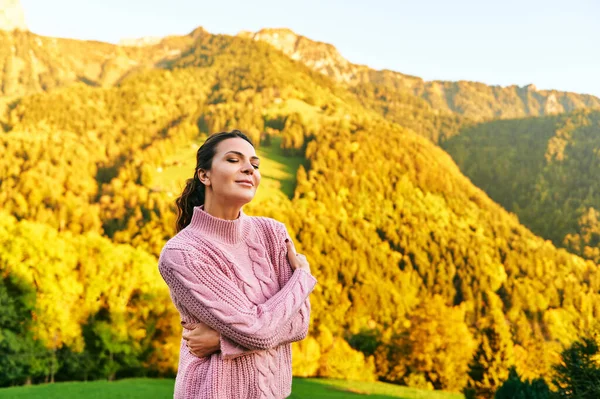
(233, 175)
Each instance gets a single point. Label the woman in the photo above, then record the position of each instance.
(236, 278)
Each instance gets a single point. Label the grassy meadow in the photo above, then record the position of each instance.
(141, 388)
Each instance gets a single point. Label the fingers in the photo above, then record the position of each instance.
(290, 246)
(291, 254)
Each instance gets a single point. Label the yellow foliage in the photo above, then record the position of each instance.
(305, 358)
(343, 362)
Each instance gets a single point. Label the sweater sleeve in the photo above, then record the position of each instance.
(228, 348)
(296, 329)
(199, 285)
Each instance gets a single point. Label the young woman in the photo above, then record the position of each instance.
(240, 288)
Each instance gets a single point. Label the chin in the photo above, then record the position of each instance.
(243, 199)
(249, 198)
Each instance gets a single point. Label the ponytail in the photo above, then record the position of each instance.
(192, 195)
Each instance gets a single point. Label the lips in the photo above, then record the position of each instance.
(245, 182)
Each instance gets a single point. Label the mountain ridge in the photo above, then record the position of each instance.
(31, 63)
(524, 101)
(25, 67)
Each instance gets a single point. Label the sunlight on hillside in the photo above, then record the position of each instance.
(289, 106)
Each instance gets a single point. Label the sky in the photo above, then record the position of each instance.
(552, 44)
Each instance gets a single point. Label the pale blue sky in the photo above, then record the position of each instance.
(553, 44)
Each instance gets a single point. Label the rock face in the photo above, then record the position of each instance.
(321, 57)
(11, 15)
(140, 42)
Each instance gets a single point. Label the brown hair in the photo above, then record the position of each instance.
(193, 193)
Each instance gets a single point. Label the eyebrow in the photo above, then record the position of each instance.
(242, 155)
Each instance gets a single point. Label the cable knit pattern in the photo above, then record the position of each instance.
(234, 275)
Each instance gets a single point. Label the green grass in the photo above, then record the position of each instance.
(290, 106)
(303, 388)
(375, 389)
(122, 389)
(278, 171)
(176, 169)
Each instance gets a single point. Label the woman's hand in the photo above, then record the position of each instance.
(298, 261)
(202, 340)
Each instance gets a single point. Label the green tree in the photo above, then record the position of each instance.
(495, 354)
(515, 388)
(578, 373)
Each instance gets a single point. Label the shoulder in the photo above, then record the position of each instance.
(185, 246)
(183, 242)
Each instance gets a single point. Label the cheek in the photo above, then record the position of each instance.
(258, 177)
(224, 173)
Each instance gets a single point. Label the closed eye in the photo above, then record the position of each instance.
(233, 160)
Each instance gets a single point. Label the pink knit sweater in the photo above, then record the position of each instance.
(234, 276)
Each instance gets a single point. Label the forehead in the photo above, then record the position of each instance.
(236, 144)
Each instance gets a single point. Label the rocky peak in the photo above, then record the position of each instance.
(11, 15)
(530, 87)
(283, 39)
(552, 105)
(319, 56)
(140, 42)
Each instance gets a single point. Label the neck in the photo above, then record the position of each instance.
(221, 209)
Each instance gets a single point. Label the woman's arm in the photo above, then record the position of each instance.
(297, 327)
(215, 300)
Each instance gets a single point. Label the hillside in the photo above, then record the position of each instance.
(473, 100)
(31, 63)
(542, 169)
(423, 279)
(67, 296)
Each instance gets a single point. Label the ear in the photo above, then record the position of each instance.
(204, 177)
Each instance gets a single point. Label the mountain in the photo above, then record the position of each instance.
(471, 99)
(12, 16)
(544, 170)
(399, 106)
(31, 63)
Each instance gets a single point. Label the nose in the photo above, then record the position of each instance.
(248, 168)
